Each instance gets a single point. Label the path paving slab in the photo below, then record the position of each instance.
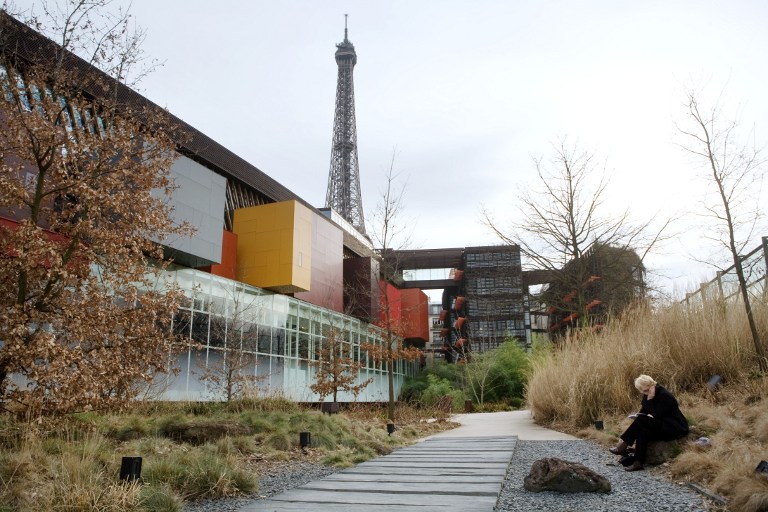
(457, 474)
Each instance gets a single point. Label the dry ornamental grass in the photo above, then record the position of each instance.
(591, 377)
(73, 463)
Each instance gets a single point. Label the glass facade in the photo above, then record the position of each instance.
(281, 334)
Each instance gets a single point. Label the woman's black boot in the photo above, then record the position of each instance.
(636, 466)
(620, 449)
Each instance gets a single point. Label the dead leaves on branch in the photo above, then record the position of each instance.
(85, 316)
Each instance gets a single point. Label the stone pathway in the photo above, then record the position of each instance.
(438, 474)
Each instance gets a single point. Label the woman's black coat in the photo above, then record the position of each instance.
(663, 406)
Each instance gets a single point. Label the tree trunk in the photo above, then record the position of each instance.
(391, 383)
(761, 361)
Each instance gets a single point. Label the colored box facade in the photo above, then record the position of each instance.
(361, 288)
(274, 246)
(390, 300)
(408, 311)
(228, 266)
(198, 199)
(327, 282)
(415, 312)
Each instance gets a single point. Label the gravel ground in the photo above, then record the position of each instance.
(639, 491)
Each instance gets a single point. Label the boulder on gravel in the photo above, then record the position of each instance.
(660, 452)
(553, 474)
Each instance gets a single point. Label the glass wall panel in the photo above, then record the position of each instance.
(200, 327)
(285, 334)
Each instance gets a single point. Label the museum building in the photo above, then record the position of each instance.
(262, 259)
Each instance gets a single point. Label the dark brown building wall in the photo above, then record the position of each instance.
(361, 288)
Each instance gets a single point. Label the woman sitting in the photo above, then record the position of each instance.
(659, 419)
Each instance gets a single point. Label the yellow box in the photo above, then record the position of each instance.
(274, 246)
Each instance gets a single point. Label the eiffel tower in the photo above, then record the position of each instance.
(343, 194)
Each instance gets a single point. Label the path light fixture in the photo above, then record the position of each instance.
(714, 383)
(304, 439)
(390, 428)
(762, 467)
(599, 425)
(130, 469)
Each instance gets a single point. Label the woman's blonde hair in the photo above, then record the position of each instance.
(644, 382)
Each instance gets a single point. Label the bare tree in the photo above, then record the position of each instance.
(478, 373)
(736, 169)
(389, 234)
(103, 36)
(228, 367)
(336, 368)
(85, 314)
(566, 218)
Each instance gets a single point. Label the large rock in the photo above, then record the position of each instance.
(660, 452)
(553, 474)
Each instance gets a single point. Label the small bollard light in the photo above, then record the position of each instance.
(130, 469)
(390, 428)
(714, 383)
(762, 467)
(304, 439)
(599, 425)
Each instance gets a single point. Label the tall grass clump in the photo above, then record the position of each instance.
(680, 347)
(189, 451)
(78, 476)
(735, 420)
(200, 474)
(592, 377)
(160, 498)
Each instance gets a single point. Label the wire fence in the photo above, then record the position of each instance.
(726, 285)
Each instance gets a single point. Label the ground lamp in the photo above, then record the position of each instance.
(304, 439)
(390, 428)
(130, 469)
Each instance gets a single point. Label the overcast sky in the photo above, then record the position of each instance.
(467, 93)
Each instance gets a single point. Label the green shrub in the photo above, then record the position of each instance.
(509, 371)
(439, 388)
(414, 387)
